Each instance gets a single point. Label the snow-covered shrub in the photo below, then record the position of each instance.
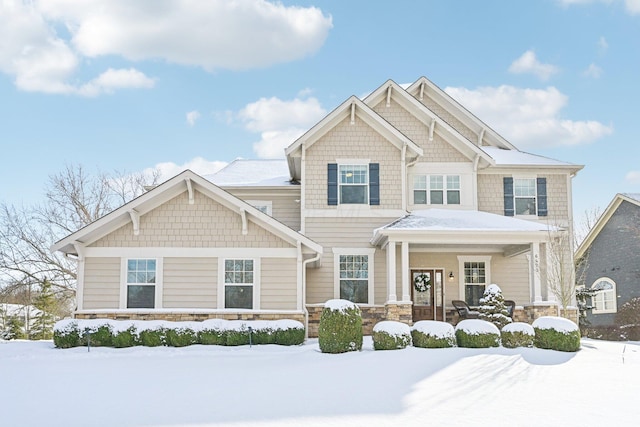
(263, 332)
(433, 334)
(66, 333)
(556, 333)
(152, 333)
(476, 333)
(237, 333)
(180, 334)
(492, 308)
(289, 332)
(124, 334)
(212, 332)
(391, 335)
(96, 332)
(340, 328)
(517, 334)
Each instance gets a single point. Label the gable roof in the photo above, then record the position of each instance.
(185, 181)
(353, 107)
(392, 90)
(508, 158)
(633, 198)
(423, 85)
(255, 173)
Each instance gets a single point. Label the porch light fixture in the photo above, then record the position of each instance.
(451, 276)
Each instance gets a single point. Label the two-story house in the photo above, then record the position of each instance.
(403, 184)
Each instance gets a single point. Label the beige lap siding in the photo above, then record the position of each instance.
(343, 233)
(204, 224)
(512, 275)
(190, 283)
(353, 141)
(278, 284)
(446, 261)
(285, 203)
(101, 283)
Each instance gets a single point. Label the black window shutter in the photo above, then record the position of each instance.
(508, 196)
(374, 183)
(541, 183)
(332, 184)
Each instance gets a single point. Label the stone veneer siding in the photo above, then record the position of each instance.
(184, 316)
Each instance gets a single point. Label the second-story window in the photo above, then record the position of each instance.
(436, 189)
(524, 192)
(354, 184)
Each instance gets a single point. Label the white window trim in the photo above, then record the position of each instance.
(336, 270)
(614, 291)
(256, 283)
(472, 258)
(535, 188)
(124, 284)
(268, 204)
(366, 185)
(428, 189)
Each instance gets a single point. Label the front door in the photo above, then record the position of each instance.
(423, 301)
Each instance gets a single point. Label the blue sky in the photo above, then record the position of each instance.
(121, 85)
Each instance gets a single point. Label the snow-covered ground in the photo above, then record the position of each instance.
(299, 386)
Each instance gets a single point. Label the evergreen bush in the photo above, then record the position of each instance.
(391, 335)
(492, 308)
(237, 333)
(340, 328)
(476, 333)
(152, 337)
(517, 334)
(433, 334)
(290, 336)
(263, 335)
(97, 334)
(556, 333)
(180, 336)
(66, 334)
(212, 336)
(125, 338)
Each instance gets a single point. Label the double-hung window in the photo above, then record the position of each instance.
(354, 278)
(604, 300)
(239, 280)
(524, 192)
(354, 184)
(141, 283)
(475, 275)
(436, 189)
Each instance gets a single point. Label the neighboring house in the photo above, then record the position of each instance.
(611, 254)
(382, 190)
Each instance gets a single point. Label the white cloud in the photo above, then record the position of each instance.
(633, 177)
(198, 165)
(279, 122)
(631, 6)
(528, 117)
(528, 63)
(603, 45)
(593, 71)
(192, 117)
(213, 34)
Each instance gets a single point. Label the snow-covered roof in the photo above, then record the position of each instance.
(634, 196)
(463, 220)
(245, 172)
(521, 158)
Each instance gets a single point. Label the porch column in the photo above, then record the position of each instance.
(391, 272)
(534, 270)
(406, 294)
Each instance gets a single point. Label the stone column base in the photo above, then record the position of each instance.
(399, 311)
(534, 311)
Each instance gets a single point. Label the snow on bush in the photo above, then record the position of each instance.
(433, 334)
(517, 334)
(476, 333)
(340, 328)
(151, 333)
(391, 335)
(492, 308)
(556, 333)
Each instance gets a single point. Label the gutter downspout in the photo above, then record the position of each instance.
(304, 291)
(403, 163)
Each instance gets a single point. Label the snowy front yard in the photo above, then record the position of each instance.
(272, 385)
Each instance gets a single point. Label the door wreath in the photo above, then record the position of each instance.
(422, 282)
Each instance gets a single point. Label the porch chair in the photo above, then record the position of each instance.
(464, 312)
(511, 307)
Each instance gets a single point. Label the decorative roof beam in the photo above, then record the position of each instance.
(353, 113)
(243, 215)
(135, 219)
(431, 128)
(389, 96)
(421, 91)
(480, 137)
(190, 189)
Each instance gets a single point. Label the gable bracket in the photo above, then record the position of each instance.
(243, 215)
(353, 113)
(389, 96)
(480, 137)
(431, 128)
(421, 91)
(190, 189)
(135, 219)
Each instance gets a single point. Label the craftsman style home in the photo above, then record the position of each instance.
(610, 255)
(401, 202)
